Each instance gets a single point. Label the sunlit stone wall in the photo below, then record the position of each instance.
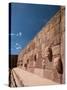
(36, 54)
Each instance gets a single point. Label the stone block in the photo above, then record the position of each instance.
(56, 49)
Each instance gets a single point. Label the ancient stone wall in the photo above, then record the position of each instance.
(44, 53)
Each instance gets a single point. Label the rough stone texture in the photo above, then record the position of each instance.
(51, 35)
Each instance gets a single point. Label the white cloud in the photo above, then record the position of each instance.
(17, 44)
(18, 48)
(19, 34)
(12, 34)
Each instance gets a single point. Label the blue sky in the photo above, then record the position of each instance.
(26, 21)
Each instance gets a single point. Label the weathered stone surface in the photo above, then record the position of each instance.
(56, 50)
(62, 44)
(51, 36)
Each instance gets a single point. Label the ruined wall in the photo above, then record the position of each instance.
(49, 40)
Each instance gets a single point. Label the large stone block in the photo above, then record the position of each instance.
(56, 49)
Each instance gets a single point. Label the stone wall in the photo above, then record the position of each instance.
(44, 52)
